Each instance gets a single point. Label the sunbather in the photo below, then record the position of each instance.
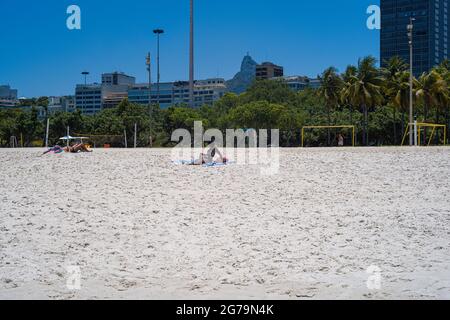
(80, 147)
(212, 156)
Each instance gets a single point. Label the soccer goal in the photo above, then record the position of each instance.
(419, 127)
(345, 127)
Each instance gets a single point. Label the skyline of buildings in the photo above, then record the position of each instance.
(430, 33)
(91, 98)
(430, 37)
(116, 86)
(430, 44)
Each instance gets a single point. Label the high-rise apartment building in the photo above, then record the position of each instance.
(430, 34)
(88, 98)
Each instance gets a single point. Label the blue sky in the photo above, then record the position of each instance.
(40, 56)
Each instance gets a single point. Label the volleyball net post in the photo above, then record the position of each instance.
(330, 127)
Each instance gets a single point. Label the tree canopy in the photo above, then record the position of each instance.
(364, 95)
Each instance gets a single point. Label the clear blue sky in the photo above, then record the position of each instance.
(40, 56)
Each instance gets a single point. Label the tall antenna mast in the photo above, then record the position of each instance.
(191, 56)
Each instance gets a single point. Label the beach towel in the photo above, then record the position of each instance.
(55, 150)
(206, 165)
(215, 164)
(184, 162)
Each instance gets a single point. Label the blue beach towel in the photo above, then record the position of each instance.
(215, 164)
(206, 165)
(184, 162)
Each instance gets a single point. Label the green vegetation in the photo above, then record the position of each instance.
(375, 100)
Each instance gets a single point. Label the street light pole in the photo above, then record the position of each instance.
(148, 62)
(85, 74)
(191, 56)
(149, 69)
(158, 32)
(410, 29)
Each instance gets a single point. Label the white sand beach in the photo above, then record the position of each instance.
(140, 227)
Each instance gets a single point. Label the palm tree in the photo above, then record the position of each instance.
(444, 100)
(365, 90)
(43, 102)
(330, 87)
(444, 67)
(432, 89)
(348, 78)
(399, 92)
(394, 76)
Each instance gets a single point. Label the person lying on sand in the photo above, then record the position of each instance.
(210, 157)
(80, 147)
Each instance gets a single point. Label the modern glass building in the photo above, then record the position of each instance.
(88, 98)
(430, 35)
(175, 93)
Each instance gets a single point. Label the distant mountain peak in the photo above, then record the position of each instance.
(245, 77)
(248, 63)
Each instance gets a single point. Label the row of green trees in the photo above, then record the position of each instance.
(369, 88)
(375, 100)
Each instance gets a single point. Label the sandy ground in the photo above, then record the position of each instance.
(140, 227)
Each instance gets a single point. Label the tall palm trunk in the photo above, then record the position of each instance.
(329, 123)
(425, 119)
(351, 115)
(365, 126)
(447, 121)
(395, 126)
(45, 120)
(351, 121)
(403, 121)
(436, 139)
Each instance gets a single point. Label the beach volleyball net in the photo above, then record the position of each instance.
(104, 141)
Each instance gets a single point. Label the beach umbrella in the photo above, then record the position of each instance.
(67, 138)
(70, 138)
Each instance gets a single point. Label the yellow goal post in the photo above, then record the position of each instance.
(420, 126)
(330, 127)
